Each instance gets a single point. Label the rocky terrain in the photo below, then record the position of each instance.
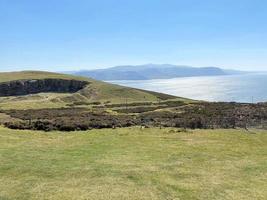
(25, 87)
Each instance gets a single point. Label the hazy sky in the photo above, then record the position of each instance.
(61, 35)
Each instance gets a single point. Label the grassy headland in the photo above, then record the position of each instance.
(95, 91)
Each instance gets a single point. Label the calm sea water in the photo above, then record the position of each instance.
(240, 88)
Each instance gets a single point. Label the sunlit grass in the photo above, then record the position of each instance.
(131, 163)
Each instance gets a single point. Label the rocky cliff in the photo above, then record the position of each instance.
(24, 87)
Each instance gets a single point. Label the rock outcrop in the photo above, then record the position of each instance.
(25, 87)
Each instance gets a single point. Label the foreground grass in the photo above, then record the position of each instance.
(133, 164)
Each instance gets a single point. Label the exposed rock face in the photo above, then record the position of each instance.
(24, 87)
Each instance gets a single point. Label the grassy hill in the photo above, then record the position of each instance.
(96, 91)
(22, 75)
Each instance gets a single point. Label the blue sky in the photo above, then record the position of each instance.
(58, 35)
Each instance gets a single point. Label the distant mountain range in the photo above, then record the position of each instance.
(152, 71)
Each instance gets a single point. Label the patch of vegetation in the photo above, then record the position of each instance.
(193, 116)
(139, 109)
(83, 103)
(67, 119)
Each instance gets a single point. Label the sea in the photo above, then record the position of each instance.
(245, 88)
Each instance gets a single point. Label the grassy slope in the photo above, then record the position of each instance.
(133, 164)
(11, 76)
(96, 91)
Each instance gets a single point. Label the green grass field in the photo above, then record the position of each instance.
(131, 163)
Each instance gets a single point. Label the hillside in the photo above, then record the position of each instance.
(51, 97)
(50, 101)
(150, 71)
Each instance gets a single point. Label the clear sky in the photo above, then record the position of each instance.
(63, 35)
